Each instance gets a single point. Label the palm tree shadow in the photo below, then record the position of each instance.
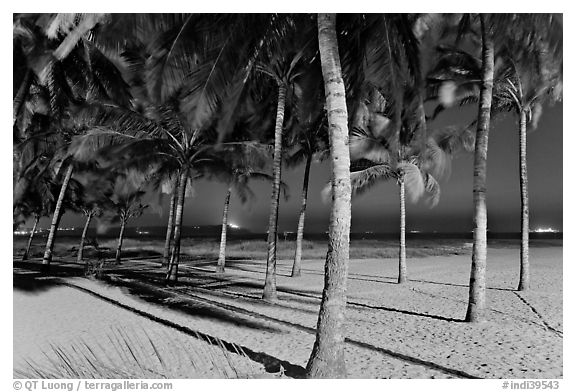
(459, 285)
(271, 364)
(181, 304)
(299, 372)
(408, 312)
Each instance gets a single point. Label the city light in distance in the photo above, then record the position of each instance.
(233, 226)
(545, 230)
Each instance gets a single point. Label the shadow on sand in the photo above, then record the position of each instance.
(146, 281)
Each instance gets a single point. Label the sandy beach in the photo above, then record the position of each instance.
(393, 331)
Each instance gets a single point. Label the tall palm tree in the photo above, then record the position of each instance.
(409, 176)
(310, 145)
(477, 292)
(310, 140)
(327, 357)
(379, 153)
(531, 76)
(529, 72)
(374, 50)
(283, 69)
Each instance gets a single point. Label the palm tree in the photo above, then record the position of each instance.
(283, 69)
(90, 212)
(85, 72)
(477, 293)
(97, 188)
(409, 174)
(238, 167)
(327, 357)
(127, 206)
(310, 138)
(532, 75)
(37, 200)
(170, 225)
(239, 184)
(379, 153)
(529, 72)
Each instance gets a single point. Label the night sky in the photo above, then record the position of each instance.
(378, 209)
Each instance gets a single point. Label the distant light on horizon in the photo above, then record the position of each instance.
(545, 230)
(233, 226)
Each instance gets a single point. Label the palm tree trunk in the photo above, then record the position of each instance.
(172, 273)
(269, 293)
(297, 266)
(83, 238)
(477, 293)
(55, 222)
(524, 283)
(327, 358)
(120, 239)
(402, 269)
(20, 97)
(222, 254)
(170, 227)
(27, 251)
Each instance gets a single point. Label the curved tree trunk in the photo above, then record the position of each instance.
(477, 293)
(170, 227)
(120, 239)
(524, 283)
(402, 269)
(55, 222)
(327, 358)
(269, 293)
(297, 266)
(27, 251)
(172, 273)
(222, 254)
(83, 238)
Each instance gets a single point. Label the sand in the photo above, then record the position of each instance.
(393, 331)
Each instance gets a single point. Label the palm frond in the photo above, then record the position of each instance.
(432, 190)
(412, 177)
(361, 181)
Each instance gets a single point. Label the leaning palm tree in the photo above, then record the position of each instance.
(89, 211)
(37, 201)
(184, 69)
(238, 174)
(127, 205)
(95, 198)
(84, 72)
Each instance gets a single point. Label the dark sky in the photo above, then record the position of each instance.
(378, 210)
